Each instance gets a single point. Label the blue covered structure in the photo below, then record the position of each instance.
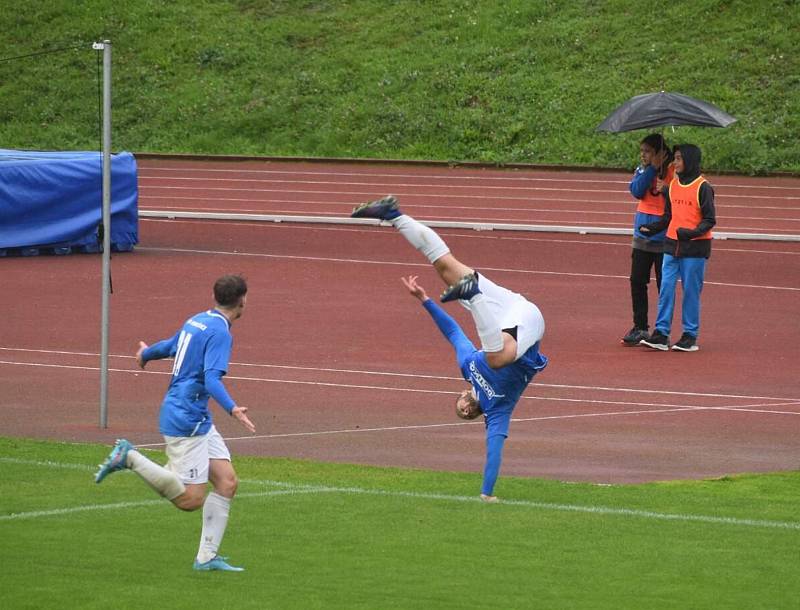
(53, 202)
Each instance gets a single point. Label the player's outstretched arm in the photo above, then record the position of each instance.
(240, 413)
(414, 289)
(446, 324)
(157, 351)
(139, 357)
(494, 456)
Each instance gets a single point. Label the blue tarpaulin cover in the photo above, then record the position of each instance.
(55, 200)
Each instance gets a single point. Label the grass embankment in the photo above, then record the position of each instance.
(497, 82)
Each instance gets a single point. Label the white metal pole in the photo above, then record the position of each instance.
(106, 289)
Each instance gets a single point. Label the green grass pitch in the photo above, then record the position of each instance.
(316, 535)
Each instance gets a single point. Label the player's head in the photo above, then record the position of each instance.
(230, 293)
(650, 146)
(467, 406)
(687, 162)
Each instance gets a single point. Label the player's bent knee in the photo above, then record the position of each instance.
(227, 487)
(191, 499)
(187, 504)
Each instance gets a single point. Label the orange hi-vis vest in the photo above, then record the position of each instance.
(686, 213)
(654, 203)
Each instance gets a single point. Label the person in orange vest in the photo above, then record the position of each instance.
(689, 215)
(653, 174)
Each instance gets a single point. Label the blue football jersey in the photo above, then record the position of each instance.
(498, 390)
(204, 343)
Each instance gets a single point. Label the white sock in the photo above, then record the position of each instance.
(215, 520)
(165, 482)
(423, 238)
(488, 328)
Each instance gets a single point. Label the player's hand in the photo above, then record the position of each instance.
(489, 499)
(240, 413)
(415, 289)
(659, 158)
(139, 359)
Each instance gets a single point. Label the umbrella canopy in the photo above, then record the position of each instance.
(662, 109)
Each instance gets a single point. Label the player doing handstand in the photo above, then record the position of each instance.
(509, 326)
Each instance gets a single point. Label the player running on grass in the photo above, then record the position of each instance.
(196, 451)
(509, 326)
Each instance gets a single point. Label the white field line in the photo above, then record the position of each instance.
(787, 400)
(56, 512)
(289, 489)
(427, 265)
(583, 241)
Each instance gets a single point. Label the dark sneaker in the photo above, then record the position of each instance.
(463, 289)
(634, 336)
(688, 343)
(657, 340)
(383, 209)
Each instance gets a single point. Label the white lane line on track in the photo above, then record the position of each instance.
(456, 424)
(581, 240)
(391, 389)
(661, 407)
(326, 259)
(510, 177)
(561, 216)
(415, 193)
(556, 216)
(288, 489)
(338, 207)
(788, 400)
(145, 197)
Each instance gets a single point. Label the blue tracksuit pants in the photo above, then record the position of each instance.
(691, 272)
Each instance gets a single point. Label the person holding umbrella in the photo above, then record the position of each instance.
(653, 174)
(689, 215)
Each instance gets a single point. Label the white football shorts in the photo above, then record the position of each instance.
(512, 309)
(189, 455)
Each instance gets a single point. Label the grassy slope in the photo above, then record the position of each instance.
(350, 549)
(516, 81)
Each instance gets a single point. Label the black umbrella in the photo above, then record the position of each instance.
(662, 109)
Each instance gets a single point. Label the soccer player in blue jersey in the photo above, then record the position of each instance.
(196, 452)
(509, 326)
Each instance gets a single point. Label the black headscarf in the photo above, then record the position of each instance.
(691, 162)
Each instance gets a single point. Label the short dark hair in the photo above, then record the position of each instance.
(656, 142)
(229, 289)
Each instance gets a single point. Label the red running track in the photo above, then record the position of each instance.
(338, 363)
(581, 199)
